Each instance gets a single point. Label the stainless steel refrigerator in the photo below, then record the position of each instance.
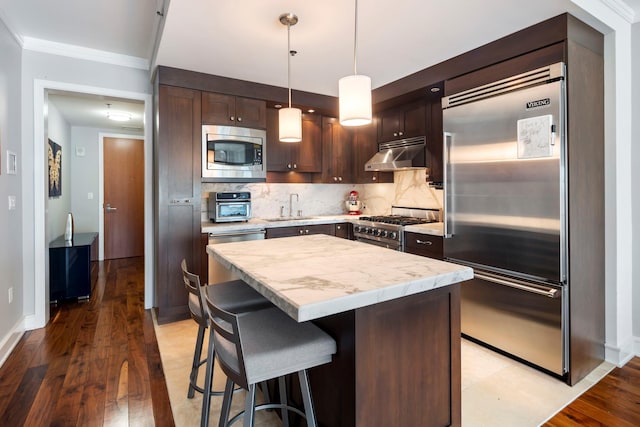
(505, 213)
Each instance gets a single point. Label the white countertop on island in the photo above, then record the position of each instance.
(314, 276)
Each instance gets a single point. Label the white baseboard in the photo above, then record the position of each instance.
(9, 342)
(619, 356)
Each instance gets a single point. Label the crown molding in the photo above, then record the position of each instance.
(72, 51)
(7, 23)
(623, 9)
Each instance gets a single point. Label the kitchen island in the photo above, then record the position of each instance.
(395, 318)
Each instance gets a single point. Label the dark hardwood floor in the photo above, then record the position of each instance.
(614, 401)
(95, 363)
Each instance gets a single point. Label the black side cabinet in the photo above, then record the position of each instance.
(70, 266)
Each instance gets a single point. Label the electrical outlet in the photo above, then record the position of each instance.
(12, 202)
(90, 196)
(10, 295)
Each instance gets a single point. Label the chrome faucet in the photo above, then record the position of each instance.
(291, 203)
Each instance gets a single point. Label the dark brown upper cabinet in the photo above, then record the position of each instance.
(303, 156)
(227, 110)
(405, 121)
(365, 145)
(337, 153)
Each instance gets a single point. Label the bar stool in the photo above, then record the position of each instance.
(235, 295)
(261, 345)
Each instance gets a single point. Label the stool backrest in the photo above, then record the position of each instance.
(227, 342)
(197, 306)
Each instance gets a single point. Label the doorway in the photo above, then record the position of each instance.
(123, 195)
(39, 271)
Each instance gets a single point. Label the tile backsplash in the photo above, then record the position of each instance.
(409, 189)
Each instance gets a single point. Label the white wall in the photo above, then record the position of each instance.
(10, 185)
(59, 131)
(635, 179)
(45, 70)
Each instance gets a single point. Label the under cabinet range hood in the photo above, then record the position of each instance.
(401, 154)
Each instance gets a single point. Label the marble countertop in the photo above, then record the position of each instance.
(435, 228)
(314, 276)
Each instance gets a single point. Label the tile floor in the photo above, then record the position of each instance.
(496, 391)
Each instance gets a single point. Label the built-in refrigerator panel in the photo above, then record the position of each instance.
(504, 184)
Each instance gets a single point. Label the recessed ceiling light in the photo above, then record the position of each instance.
(118, 116)
(435, 89)
(278, 105)
(311, 110)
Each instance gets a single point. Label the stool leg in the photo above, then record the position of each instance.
(250, 406)
(197, 353)
(226, 403)
(283, 401)
(208, 381)
(306, 397)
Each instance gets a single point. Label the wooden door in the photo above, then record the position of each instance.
(123, 198)
(251, 113)
(218, 109)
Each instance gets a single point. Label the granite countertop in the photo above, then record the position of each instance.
(314, 276)
(435, 228)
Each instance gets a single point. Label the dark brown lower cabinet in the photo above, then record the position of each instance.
(397, 364)
(423, 244)
(301, 230)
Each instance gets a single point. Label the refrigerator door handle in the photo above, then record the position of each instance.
(446, 205)
(549, 292)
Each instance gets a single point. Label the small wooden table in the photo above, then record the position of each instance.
(395, 317)
(70, 266)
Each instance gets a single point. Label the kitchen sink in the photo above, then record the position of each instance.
(288, 218)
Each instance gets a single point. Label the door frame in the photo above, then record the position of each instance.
(101, 137)
(40, 317)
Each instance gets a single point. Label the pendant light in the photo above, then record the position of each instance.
(355, 91)
(289, 119)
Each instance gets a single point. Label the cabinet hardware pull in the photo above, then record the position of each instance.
(239, 119)
(232, 118)
(306, 231)
(288, 165)
(400, 133)
(295, 166)
(340, 178)
(424, 242)
(395, 134)
(301, 232)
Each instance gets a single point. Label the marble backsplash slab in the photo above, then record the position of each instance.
(409, 189)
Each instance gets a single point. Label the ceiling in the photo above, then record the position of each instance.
(245, 40)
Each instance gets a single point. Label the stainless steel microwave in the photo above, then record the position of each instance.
(233, 154)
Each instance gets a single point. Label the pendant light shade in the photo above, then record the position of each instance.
(289, 119)
(354, 91)
(290, 124)
(355, 100)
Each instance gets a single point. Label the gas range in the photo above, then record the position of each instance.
(388, 230)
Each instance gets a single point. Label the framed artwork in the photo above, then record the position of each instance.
(55, 169)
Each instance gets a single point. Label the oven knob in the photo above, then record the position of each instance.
(384, 233)
(393, 235)
(371, 231)
(356, 228)
(378, 232)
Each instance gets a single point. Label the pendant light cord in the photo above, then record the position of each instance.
(355, 40)
(289, 61)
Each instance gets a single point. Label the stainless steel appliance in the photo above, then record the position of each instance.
(229, 206)
(388, 230)
(402, 154)
(219, 273)
(505, 213)
(233, 154)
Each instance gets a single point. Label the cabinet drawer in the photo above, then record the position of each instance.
(329, 229)
(423, 244)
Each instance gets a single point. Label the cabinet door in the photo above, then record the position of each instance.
(344, 230)
(278, 153)
(273, 233)
(402, 122)
(414, 120)
(328, 229)
(218, 109)
(337, 154)
(308, 152)
(365, 146)
(178, 203)
(423, 244)
(390, 123)
(435, 141)
(251, 113)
